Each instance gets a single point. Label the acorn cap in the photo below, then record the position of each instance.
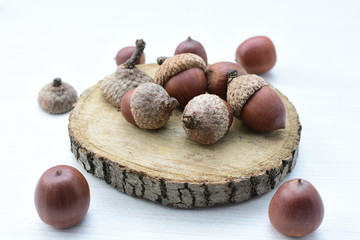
(241, 88)
(205, 119)
(122, 80)
(57, 97)
(151, 106)
(176, 64)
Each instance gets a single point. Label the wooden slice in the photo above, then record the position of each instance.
(165, 167)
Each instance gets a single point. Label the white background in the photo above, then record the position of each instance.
(318, 69)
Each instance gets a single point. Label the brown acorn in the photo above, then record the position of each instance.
(255, 102)
(125, 53)
(206, 118)
(57, 97)
(216, 76)
(126, 77)
(191, 46)
(148, 106)
(257, 54)
(182, 76)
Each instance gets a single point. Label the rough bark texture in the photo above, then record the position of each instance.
(165, 167)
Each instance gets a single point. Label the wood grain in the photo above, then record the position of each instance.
(165, 167)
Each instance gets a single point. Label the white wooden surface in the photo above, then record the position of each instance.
(318, 69)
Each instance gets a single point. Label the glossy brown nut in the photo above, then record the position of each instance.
(125, 107)
(296, 208)
(216, 77)
(257, 54)
(62, 196)
(185, 85)
(191, 46)
(125, 53)
(264, 111)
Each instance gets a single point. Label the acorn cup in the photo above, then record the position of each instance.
(182, 76)
(127, 76)
(206, 118)
(255, 102)
(148, 106)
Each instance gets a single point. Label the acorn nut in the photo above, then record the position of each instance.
(206, 118)
(127, 76)
(191, 46)
(257, 54)
(148, 106)
(125, 54)
(255, 102)
(182, 76)
(57, 97)
(216, 76)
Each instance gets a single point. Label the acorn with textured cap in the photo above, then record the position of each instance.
(182, 76)
(127, 76)
(255, 102)
(57, 97)
(206, 118)
(148, 106)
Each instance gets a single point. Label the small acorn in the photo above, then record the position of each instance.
(148, 106)
(125, 54)
(191, 46)
(126, 77)
(182, 76)
(57, 97)
(207, 118)
(255, 102)
(216, 75)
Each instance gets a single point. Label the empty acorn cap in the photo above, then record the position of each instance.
(176, 64)
(57, 97)
(241, 88)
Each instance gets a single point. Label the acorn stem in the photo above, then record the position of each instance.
(161, 60)
(189, 122)
(173, 103)
(130, 63)
(230, 75)
(56, 82)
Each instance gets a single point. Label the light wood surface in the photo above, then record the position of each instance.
(165, 167)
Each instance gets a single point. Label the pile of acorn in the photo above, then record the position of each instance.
(209, 95)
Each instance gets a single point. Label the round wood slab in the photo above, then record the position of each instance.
(165, 167)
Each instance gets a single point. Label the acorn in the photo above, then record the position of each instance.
(206, 118)
(148, 106)
(216, 76)
(125, 54)
(57, 97)
(127, 76)
(255, 102)
(296, 209)
(182, 76)
(257, 54)
(191, 46)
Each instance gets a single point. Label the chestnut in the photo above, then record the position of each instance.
(257, 54)
(296, 208)
(182, 76)
(62, 196)
(216, 77)
(125, 54)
